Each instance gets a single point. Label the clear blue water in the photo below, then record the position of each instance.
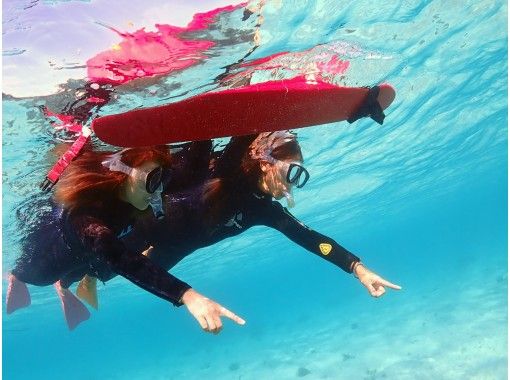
(422, 199)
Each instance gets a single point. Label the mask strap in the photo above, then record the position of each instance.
(115, 164)
(63, 162)
(264, 144)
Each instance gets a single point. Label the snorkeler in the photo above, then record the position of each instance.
(102, 193)
(251, 171)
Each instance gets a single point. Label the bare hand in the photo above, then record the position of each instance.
(207, 312)
(374, 283)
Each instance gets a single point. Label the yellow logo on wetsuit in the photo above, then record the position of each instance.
(325, 248)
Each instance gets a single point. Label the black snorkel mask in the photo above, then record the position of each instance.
(297, 175)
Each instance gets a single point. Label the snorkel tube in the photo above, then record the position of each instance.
(290, 199)
(156, 204)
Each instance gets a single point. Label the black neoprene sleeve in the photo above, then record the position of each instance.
(101, 241)
(278, 217)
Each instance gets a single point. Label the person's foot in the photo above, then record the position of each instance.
(74, 310)
(17, 295)
(87, 290)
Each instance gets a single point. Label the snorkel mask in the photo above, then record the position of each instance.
(296, 174)
(153, 180)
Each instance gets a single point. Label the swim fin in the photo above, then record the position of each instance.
(74, 310)
(17, 295)
(87, 291)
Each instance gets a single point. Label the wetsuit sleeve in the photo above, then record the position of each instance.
(231, 157)
(278, 217)
(102, 242)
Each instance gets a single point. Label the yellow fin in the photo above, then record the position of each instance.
(325, 248)
(87, 291)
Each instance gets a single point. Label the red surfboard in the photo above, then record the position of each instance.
(269, 106)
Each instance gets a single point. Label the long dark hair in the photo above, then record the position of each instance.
(86, 181)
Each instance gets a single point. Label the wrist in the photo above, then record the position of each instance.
(357, 267)
(186, 296)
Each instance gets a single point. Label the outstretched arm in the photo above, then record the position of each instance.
(143, 272)
(278, 217)
(102, 242)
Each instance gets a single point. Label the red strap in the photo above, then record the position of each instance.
(64, 161)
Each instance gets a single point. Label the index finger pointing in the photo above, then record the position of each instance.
(227, 313)
(390, 285)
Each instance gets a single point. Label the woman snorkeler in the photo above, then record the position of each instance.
(101, 194)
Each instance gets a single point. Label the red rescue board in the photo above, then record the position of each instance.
(264, 107)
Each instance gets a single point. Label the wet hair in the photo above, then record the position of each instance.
(280, 145)
(87, 182)
(219, 193)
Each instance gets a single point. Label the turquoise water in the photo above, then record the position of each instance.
(422, 200)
